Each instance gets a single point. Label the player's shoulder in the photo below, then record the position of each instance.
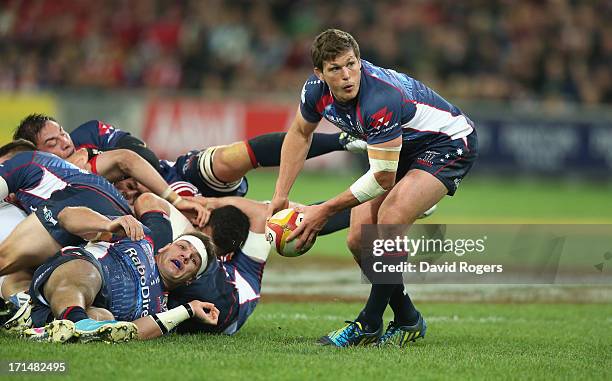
(89, 126)
(380, 84)
(313, 89)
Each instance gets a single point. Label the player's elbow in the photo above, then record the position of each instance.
(147, 202)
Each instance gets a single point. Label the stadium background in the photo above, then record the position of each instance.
(534, 76)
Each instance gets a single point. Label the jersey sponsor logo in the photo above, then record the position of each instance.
(145, 292)
(381, 118)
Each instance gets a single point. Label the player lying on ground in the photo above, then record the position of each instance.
(420, 147)
(232, 283)
(114, 291)
(214, 171)
(44, 184)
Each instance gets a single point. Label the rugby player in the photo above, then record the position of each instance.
(420, 147)
(214, 171)
(95, 292)
(233, 282)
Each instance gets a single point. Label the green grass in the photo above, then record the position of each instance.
(464, 341)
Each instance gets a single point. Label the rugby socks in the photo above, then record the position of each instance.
(403, 309)
(74, 314)
(371, 316)
(267, 147)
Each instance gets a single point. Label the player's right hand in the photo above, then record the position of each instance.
(206, 312)
(277, 203)
(128, 225)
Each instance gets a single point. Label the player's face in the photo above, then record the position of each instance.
(342, 75)
(131, 189)
(52, 138)
(178, 263)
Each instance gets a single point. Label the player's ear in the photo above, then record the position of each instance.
(318, 73)
(164, 248)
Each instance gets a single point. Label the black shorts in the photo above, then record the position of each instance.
(448, 160)
(41, 311)
(206, 186)
(48, 210)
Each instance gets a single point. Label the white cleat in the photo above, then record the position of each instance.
(352, 144)
(22, 319)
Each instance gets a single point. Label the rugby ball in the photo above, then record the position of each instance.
(279, 227)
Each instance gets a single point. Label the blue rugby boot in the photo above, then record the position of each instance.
(352, 334)
(108, 331)
(401, 335)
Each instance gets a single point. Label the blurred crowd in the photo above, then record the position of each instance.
(555, 50)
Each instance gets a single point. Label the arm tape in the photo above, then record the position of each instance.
(377, 165)
(366, 187)
(167, 321)
(385, 149)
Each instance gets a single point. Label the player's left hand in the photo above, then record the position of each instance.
(315, 217)
(197, 214)
(206, 312)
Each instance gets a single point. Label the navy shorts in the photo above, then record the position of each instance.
(448, 160)
(41, 311)
(192, 174)
(48, 210)
(246, 274)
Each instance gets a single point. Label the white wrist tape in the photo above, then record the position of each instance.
(166, 193)
(167, 321)
(366, 187)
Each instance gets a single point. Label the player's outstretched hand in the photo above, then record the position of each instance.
(277, 203)
(206, 312)
(315, 217)
(128, 225)
(197, 214)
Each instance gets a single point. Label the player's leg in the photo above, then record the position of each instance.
(71, 288)
(28, 246)
(70, 292)
(233, 161)
(363, 214)
(357, 332)
(416, 192)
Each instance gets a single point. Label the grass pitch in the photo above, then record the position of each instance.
(464, 341)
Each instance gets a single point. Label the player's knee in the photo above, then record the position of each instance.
(353, 241)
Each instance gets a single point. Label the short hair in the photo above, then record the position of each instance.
(30, 127)
(230, 228)
(19, 145)
(330, 44)
(211, 250)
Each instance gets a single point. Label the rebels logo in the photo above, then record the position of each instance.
(104, 129)
(381, 118)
